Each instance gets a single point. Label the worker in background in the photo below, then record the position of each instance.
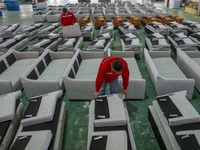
(109, 70)
(67, 18)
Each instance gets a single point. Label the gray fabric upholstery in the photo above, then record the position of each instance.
(8, 105)
(46, 110)
(189, 63)
(116, 111)
(10, 78)
(137, 85)
(165, 74)
(91, 125)
(81, 82)
(115, 139)
(40, 140)
(50, 79)
(189, 114)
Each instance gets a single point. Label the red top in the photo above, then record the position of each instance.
(67, 19)
(106, 73)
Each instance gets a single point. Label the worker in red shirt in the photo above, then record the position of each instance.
(67, 18)
(110, 69)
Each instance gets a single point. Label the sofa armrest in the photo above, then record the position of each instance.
(88, 55)
(25, 55)
(158, 54)
(5, 87)
(166, 86)
(61, 55)
(35, 87)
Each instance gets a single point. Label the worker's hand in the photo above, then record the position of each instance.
(124, 92)
(96, 95)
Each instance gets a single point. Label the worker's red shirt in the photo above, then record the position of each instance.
(106, 73)
(68, 19)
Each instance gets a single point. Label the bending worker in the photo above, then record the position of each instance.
(67, 18)
(109, 70)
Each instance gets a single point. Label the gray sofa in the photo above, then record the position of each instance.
(174, 120)
(80, 76)
(52, 16)
(189, 63)
(166, 75)
(45, 74)
(13, 64)
(39, 16)
(45, 125)
(137, 85)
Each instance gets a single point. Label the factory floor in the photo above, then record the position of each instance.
(76, 126)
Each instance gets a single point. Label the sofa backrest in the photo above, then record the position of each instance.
(74, 65)
(39, 66)
(7, 60)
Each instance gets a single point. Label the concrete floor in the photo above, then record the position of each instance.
(76, 127)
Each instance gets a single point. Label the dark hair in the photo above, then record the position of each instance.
(64, 10)
(117, 65)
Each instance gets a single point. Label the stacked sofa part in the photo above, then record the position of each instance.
(101, 45)
(53, 28)
(107, 28)
(166, 75)
(13, 64)
(19, 43)
(84, 21)
(87, 32)
(11, 111)
(50, 41)
(192, 27)
(137, 85)
(32, 31)
(42, 125)
(164, 19)
(175, 122)
(10, 31)
(175, 27)
(176, 18)
(99, 21)
(156, 42)
(196, 38)
(123, 13)
(39, 16)
(131, 42)
(156, 27)
(46, 73)
(181, 41)
(109, 126)
(71, 44)
(127, 27)
(189, 63)
(148, 19)
(109, 12)
(134, 21)
(53, 16)
(117, 20)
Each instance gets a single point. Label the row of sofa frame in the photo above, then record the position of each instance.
(76, 73)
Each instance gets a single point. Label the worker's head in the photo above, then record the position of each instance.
(64, 10)
(117, 66)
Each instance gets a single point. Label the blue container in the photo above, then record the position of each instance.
(0, 13)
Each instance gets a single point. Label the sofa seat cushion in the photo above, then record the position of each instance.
(133, 68)
(196, 60)
(55, 71)
(167, 68)
(88, 69)
(14, 72)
